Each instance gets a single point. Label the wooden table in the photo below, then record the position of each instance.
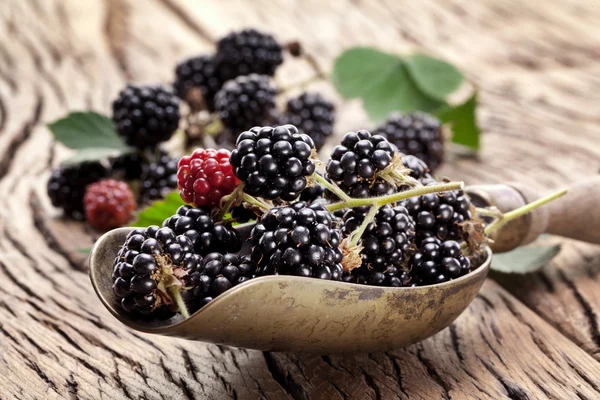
(538, 71)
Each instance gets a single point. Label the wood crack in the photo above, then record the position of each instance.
(285, 381)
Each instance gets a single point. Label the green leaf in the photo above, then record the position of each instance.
(93, 154)
(158, 211)
(84, 250)
(83, 130)
(434, 77)
(524, 259)
(382, 81)
(463, 120)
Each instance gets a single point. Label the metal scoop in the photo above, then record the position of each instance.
(287, 313)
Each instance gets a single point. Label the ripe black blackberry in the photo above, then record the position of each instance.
(151, 268)
(67, 185)
(206, 236)
(242, 214)
(128, 166)
(159, 178)
(386, 242)
(438, 261)
(221, 272)
(299, 240)
(418, 168)
(273, 162)
(199, 73)
(246, 52)
(146, 115)
(245, 102)
(312, 193)
(390, 276)
(313, 115)
(417, 134)
(439, 214)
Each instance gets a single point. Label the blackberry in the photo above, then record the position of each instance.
(150, 264)
(128, 166)
(417, 134)
(312, 193)
(439, 215)
(273, 162)
(108, 204)
(438, 261)
(146, 115)
(206, 236)
(418, 168)
(221, 272)
(197, 73)
(67, 185)
(387, 243)
(313, 115)
(242, 214)
(245, 102)
(299, 240)
(159, 179)
(246, 52)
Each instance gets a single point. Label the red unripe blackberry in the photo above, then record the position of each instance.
(205, 176)
(311, 114)
(417, 134)
(146, 115)
(246, 52)
(438, 261)
(199, 73)
(108, 204)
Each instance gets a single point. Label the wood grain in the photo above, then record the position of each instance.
(538, 74)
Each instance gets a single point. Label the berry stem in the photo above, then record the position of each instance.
(175, 293)
(357, 234)
(227, 201)
(332, 187)
(256, 202)
(488, 212)
(392, 198)
(514, 214)
(214, 128)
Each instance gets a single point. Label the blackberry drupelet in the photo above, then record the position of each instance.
(418, 168)
(108, 204)
(221, 272)
(299, 240)
(438, 261)
(206, 236)
(146, 115)
(417, 134)
(198, 73)
(245, 102)
(273, 162)
(242, 214)
(159, 179)
(246, 52)
(313, 115)
(152, 264)
(67, 185)
(128, 166)
(312, 193)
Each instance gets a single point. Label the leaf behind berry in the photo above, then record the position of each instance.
(87, 129)
(524, 260)
(463, 120)
(158, 211)
(433, 76)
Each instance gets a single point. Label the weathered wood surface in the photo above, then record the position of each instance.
(538, 73)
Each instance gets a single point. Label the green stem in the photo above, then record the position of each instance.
(175, 293)
(230, 199)
(392, 198)
(256, 202)
(514, 214)
(214, 128)
(332, 187)
(485, 212)
(357, 234)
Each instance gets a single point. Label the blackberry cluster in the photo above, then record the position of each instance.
(299, 240)
(68, 183)
(313, 115)
(439, 215)
(417, 134)
(273, 162)
(386, 245)
(246, 101)
(246, 52)
(146, 115)
(221, 272)
(312, 194)
(159, 179)
(149, 257)
(108, 204)
(438, 261)
(128, 166)
(418, 169)
(199, 73)
(206, 236)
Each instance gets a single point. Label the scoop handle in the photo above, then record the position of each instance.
(575, 215)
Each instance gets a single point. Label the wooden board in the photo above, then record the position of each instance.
(538, 75)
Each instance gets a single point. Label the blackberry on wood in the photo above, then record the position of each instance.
(438, 261)
(151, 263)
(221, 272)
(246, 52)
(245, 102)
(313, 115)
(206, 236)
(198, 73)
(299, 240)
(159, 179)
(273, 162)
(146, 115)
(108, 204)
(67, 185)
(417, 134)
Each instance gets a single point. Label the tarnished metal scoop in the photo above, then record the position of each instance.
(287, 313)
